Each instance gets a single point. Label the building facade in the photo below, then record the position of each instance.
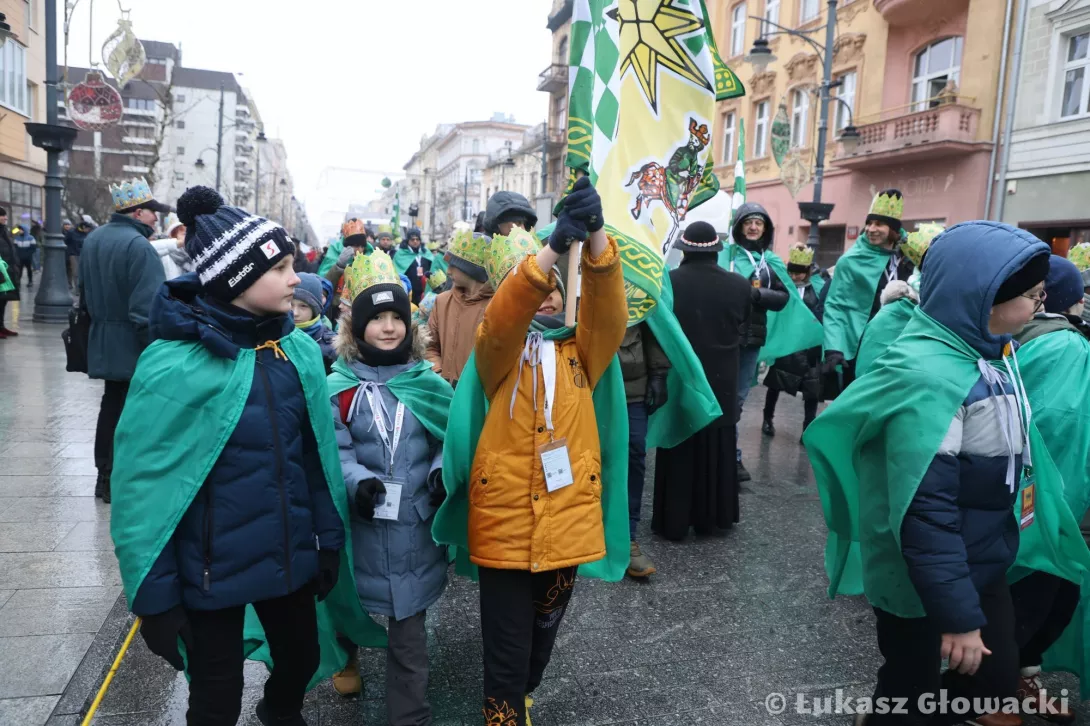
(920, 78)
(22, 63)
(1047, 177)
(554, 81)
(517, 169)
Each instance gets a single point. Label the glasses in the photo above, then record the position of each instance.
(1038, 300)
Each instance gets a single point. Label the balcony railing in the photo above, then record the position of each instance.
(945, 129)
(553, 78)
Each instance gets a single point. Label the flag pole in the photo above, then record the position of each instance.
(575, 254)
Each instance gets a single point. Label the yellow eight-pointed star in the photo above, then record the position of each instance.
(649, 37)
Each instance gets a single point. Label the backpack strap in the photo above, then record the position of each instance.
(344, 399)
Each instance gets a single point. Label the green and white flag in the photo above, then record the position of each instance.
(395, 223)
(738, 196)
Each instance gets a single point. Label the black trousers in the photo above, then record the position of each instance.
(912, 650)
(1043, 607)
(215, 661)
(809, 407)
(520, 617)
(109, 413)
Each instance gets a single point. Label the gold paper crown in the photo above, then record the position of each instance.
(916, 243)
(437, 279)
(801, 255)
(130, 194)
(367, 271)
(888, 204)
(1079, 256)
(351, 227)
(472, 248)
(506, 252)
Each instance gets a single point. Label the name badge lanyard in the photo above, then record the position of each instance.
(891, 269)
(548, 373)
(380, 420)
(757, 267)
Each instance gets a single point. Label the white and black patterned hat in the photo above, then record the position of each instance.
(230, 247)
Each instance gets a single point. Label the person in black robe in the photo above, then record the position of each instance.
(696, 482)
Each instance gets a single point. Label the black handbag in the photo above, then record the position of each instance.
(76, 338)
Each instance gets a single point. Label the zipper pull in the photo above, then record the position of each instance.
(317, 544)
(207, 580)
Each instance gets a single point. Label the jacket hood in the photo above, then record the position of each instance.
(178, 312)
(748, 210)
(346, 347)
(503, 202)
(966, 265)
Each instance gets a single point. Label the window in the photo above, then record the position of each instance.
(179, 176)
(32, 14)
(771, 14)
(1076, 67)
(13, 89)
(846, 93)
(179, 124)
(738, 29)
(808, 10)
(562, 51)
(181, 151)
(800, 113)
(476, 146)
(760, 128)
(936, 65)
(180, 98)
(728, 138)
(141, 104)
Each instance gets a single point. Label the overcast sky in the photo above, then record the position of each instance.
(350, 82)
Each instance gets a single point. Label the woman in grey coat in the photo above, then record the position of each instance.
(400, 571)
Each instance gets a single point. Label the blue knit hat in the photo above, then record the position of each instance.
(309, 291)
(231, 248)
(1063, 286)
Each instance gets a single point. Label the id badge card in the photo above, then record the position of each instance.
(390, 504)
(1029, 501)
(556, 464)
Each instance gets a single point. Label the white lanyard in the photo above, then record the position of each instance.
(379, 419)
(757, 267)
(802, 291)
(548, 372)
(891, 269)
(539, 351)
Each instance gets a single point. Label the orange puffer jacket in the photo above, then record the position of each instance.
(514, 522)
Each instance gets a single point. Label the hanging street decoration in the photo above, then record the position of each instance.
(94, 105)
(781, 135)
(795, 172)
(123, 54)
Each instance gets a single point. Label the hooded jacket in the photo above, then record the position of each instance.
(773, 296)
(253, 530)
(503, 202)
(959, 533)
(399, 570)
(452, 330)
(11, 259)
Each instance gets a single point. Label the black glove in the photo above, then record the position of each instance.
(329, 569)
(438, 494)
(657, 394)
(584, 205)
(833, 358)
(161, 633)
(367, 494)
(567, 230)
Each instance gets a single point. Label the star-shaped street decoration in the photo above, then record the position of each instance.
(649, 38)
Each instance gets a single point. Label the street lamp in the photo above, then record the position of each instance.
(761, 55)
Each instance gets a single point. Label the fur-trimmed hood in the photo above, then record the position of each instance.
(345, 344)
(898, 290)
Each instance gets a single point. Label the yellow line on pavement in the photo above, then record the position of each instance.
(110, 676)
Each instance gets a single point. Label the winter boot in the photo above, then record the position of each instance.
(743, 475)
(767, 428)
(268, 719)
(1029, 687)
(639, 564)
(102, 488)
(348, 682)
(8, 333)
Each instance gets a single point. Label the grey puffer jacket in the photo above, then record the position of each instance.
(400, 571)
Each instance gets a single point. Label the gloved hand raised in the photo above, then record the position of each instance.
(584, 205)
(567, 230)
(347, 254)
(161, 633)
(367, 494)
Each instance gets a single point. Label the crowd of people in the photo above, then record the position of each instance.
(357, 418)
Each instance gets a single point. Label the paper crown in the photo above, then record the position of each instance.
(434, 245)
(351, 227)
(1079, 256)
(472, 248)
(889, 203)
(802, 256)
(367, 271)
(916, 243)
(437, 279)
(506, 252)
(130, 194)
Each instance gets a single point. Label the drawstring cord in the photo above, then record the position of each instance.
(379, 416)
(531, 354)
(274, 346)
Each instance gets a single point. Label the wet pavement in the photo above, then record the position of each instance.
(727, 621)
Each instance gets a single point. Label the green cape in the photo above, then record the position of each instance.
(439, 262)
(161, 477)
(1062, 414)
(404, 258)
(6, 285)
(422, 391)
(904, 406)
(851, 296)
(790, 330)
(468, 411)
(331, 255)
(881, 331)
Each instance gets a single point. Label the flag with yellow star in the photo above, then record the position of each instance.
(644, 78)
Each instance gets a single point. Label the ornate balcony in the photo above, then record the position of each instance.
(554, 78)
(945, 130)
(911, 12)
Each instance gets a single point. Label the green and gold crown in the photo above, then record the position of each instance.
(889, 203)
(1079, 255)
(367, 271)
(437, 279)
(472, 248)
(915, 244)
(506, 252)
(801, 255)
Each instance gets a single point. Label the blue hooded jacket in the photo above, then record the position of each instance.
(252, 532)
(959, 534)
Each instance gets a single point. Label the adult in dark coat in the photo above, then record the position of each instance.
(420, 267)
(696, 482)
(11, 259)
(73, 243)
(119, 274)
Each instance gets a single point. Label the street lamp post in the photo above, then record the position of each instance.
(261, 139)
(760, 56)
